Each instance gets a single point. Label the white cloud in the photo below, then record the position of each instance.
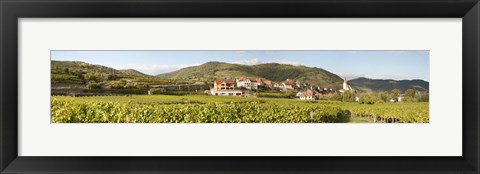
(154, 69)
(400, 77)
(351, 76)
(253, 61)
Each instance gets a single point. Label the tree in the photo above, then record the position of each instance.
(409, 99)
(91, 77)
(424, 97)
(410, 93)
(158, 91)
(81, 77)
(116, 84)
(111, 77)
(66, 71)
(348, 96)
(93, 85)
(130, 85)
(336, 96)
(384, 96)
(394, 94)
(368, 98)
(410, 96)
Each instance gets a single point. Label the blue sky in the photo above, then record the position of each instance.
(398, 65)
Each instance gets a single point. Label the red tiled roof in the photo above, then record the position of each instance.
(306, 93)
(288, 82)
(242, 79)
(253, 79)
(267, 82)
(227, 81)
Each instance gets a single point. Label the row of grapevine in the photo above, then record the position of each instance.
(245, 112)
(394, 113)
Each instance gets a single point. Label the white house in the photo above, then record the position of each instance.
(249, 83)
(288, 84)
(307, 95)
(226, 92)
(400, 99)
(223, 84)
(225, 87)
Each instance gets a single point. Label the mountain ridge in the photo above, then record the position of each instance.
(367, 84)
(272, 71)
(133, 72)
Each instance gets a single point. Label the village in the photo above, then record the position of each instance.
(304, 91)
(239, 87)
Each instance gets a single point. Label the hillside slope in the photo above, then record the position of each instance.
(61, 67)
(76, 72)
(132, 72)
(387, 85)
(272, 71)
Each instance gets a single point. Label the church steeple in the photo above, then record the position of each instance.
(346, 87)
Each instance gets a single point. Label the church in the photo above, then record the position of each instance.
(346, 86)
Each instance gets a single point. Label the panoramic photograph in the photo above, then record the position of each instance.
(240, 86)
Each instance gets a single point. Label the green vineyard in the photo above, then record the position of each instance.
(212, 109)
(393, 113)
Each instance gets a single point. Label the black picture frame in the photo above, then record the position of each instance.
(11, 10)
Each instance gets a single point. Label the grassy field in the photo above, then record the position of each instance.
(224, 109)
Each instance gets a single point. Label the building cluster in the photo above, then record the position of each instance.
(235, 87)
(231, 87)
(289, 84)
(241, 83)
(314, 93)
(225, 87)
(253, 83)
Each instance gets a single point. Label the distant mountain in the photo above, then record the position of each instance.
(271, 71)
(387, 85)
(76, 72)
(60, 67)
(133, 72)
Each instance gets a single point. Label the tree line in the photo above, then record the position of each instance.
(410, 95)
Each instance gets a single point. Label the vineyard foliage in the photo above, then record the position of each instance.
(215, 109)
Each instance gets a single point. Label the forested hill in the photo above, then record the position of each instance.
(271, 71)
(132, 72)
(76, 72)
(59, 67)
(387, 85)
